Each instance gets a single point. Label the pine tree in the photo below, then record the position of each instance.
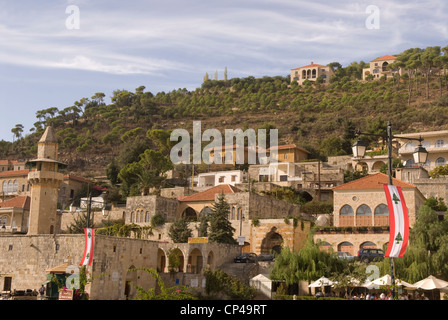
(179, 231)
(203, 226)
(221, 230)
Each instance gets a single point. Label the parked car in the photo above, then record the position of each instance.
(246, 257)
(345, 255)
(368, 255)
(265, 257)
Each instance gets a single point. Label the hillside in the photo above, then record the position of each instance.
(319, 117)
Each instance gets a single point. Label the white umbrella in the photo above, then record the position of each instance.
(385, 281)
(430, 283)
(322, 281)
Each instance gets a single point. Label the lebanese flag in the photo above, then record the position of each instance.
(399, 222)
(88, 249)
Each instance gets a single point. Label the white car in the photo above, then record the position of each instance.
(345, 255)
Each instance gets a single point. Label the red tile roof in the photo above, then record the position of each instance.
(372, 181)
(14, 173)
(209, 194)
(22, 202)
(312, 65)
(386, 57)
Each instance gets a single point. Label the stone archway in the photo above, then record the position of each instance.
(131, 281)
(161, 261)
(176, 260)
(272, 242)
(190, 214)
(211, 261)
(195, 261)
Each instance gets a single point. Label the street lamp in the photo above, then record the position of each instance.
(420, 155)
(89, 207)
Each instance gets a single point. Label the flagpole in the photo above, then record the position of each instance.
(389, 171)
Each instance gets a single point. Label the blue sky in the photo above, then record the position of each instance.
(171, 44)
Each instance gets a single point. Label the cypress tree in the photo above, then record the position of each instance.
(221, 230)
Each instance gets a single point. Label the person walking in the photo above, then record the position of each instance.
(41, 292)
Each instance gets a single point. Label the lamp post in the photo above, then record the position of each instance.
(420, 155)
(89, 208)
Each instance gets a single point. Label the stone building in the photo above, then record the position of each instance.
(312, 72)
(361, 214)
(14, 215)
(435, 142)
(30, 260)
(379, 68)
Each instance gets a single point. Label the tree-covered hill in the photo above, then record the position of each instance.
(93, 133)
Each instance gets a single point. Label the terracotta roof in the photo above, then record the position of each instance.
(372, 181)
(209, 194)
(22, 202)
(311, 65)
(386, 57)
(14, 173)
(289, 146)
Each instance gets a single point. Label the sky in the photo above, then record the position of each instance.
(55, 52)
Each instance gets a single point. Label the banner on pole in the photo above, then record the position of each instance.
(88, 249)
(399, 222)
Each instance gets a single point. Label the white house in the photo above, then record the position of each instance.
(211, 179)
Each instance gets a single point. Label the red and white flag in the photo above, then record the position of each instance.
(88, 249)
(399, 222)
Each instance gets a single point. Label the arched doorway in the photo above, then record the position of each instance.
(130, 282)
(189, 214)
(346, 247)
(272, 243)
(195, 261)
(176, 260)
(161, 260)
(211, 261)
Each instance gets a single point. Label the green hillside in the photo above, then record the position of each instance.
(319, 117)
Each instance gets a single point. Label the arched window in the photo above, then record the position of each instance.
(363, 215)
(363, 210)
(440, 161)
(5, 186)
(240, 214)
(439, 143)
(382, 209)
(381, 215)
(206, 211)
(15, 186)
(346, 210)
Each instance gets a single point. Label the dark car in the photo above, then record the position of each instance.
(370, 254)
(246, 257)
(265, 257)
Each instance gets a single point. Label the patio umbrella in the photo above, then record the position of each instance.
(430, 283)
(386, 281)
(322, 281)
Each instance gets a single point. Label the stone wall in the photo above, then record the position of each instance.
(356, 239)
(26, 258)
(152, 205)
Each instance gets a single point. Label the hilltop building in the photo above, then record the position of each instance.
(312, 72)
(379, 68)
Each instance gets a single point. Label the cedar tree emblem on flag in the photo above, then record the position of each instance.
(399, 222)
(88, 249)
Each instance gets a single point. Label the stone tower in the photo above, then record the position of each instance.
(45, 180)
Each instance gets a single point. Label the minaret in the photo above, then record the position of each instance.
(45, 181)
